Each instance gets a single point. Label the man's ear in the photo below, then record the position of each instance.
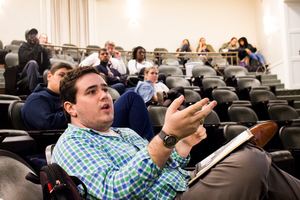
(70, 108)
(49, 75)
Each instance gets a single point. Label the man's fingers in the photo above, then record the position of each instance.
(205, 111)
(191, 110)
(175, 105)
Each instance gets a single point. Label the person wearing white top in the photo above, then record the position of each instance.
(138, 62)
(117, 63)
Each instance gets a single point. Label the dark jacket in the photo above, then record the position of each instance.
(43, 111)
(35, 52)
(110, 79)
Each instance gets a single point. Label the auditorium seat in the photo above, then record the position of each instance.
(12, 48)
(17, 42)
(12, 178)
(172, 82)
(169, 70)
(209, 84)
(191, 97)
(157, 116)
(244, 85)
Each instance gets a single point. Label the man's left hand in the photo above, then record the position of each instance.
(117, 54)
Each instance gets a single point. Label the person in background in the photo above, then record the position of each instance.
(138, 60)
(33, 59)
(231, 45)
(117, 62)
(43, 39)
(185, 47)
(113, 77)
(246, 51)
(153, 90)
(203, 47)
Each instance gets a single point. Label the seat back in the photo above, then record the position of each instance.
(281, 112)
(242, 114)
(210, 83)
(68, 61)
(191, 96)
(9, 97)
(118, 48)
(11, 59)
(170, 70)
(14, 113)
(1, 44)
(232, 130)
(62, 58)
(157, 116)
(12, 48)
(17, 42)
(261, 96)
(172, 82)
(113, 93)
(235, 71)
(290, 137)
(96, 48)
(48, 153)
(243, 83)
(221, 95)
(212, 119)
(203, 71)
(13, 184)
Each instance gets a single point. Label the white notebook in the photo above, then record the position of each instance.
(223, 151)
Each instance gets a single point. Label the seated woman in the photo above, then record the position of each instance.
(43, 39)
(185, 47)
(231, 45)
(246, 50)
(139, 60)
(203, 47)
(153, 90)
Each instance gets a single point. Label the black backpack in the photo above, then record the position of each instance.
(255, 64)
(57, 184)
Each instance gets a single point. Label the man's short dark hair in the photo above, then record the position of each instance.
(60, 65)
(103, 49)
(68, 89)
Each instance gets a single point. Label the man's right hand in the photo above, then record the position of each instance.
(186, 122)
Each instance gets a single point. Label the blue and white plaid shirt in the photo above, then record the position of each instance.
(118, 167)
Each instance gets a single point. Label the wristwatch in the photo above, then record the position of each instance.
(169, 140)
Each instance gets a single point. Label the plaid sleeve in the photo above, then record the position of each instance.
(103, 178)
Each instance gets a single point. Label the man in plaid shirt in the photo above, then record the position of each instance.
(116, 163)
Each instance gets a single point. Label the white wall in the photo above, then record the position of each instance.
(166, 23)
(16, 16)
(271, 47)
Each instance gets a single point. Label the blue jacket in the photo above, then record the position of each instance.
(43, 111)
(110, 80)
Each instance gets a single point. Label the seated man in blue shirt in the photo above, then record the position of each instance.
(116, 163)
(43, 111)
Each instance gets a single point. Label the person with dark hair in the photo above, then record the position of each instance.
(246, 50)
(116, 163)
(138, 60)
(113, 77)
(33, 59)
(117, 61)
(42, 109)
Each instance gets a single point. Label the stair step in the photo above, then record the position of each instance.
(289, 97)
(277, 85)
(270, 81)
(280, 92)
(298, 111)
(268, 77)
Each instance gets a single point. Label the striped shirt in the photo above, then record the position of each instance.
(118, 167)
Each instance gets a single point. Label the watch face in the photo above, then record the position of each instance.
(170, 141)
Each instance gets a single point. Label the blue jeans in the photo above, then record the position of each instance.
(257, 56)
(131, 111)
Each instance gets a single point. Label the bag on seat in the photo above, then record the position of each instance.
(255, 64)
(57, 184)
